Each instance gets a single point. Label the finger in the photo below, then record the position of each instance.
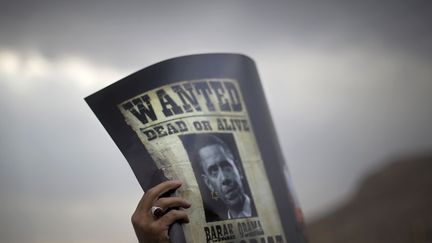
(155, 192)
(141, 203)
(140, 211)
(172, 202)
(173, 216)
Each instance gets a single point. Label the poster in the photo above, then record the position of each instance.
(193, 119)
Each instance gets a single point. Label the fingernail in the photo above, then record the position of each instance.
(177, 182)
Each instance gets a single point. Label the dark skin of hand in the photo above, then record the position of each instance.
(151, 229)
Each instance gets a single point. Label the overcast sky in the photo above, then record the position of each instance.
(349, 85)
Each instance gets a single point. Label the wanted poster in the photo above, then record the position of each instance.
(203, 120)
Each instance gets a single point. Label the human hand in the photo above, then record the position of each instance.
(154, 229)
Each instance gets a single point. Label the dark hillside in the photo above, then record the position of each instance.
(393, 205)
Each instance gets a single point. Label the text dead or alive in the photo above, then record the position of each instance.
(222, 124)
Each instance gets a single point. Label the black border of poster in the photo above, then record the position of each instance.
(202, 66)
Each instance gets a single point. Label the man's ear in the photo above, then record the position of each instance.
(207, 182)
(239, 168)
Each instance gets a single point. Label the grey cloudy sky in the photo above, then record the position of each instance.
(349, 86)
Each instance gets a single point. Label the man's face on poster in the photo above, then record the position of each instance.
(221, 174)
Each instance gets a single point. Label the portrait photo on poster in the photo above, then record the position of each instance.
(220, 176)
